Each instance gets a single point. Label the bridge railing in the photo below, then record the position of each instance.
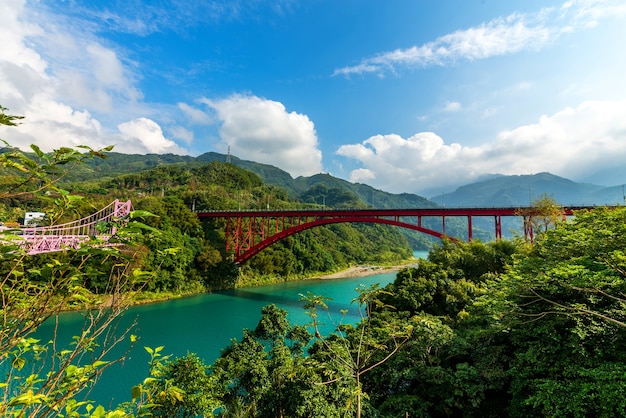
(94, 224)
(42, 239)
(249, 231)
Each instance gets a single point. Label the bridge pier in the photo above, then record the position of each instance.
(498, 221)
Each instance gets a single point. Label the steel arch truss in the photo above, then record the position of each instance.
(249, 232)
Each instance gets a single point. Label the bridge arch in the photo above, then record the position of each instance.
(257, 248)
(250, 231)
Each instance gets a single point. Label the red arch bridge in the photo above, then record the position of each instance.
(70, 235)
(249, 232)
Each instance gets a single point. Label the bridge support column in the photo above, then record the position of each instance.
(498, 219)
(469, 228)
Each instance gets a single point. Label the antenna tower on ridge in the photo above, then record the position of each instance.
(228, 155)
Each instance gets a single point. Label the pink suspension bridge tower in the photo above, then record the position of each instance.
(70, 235)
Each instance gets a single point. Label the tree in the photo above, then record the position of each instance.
(267, 375)
(352, 351)
(454, 364)
(191, 375)
(565, 307)
(45, 378)
(582, 264)
(182, 387)
(543, 213)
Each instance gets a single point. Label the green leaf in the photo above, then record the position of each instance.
(99, 363)
(18, 363)
(37, 150)
(135, 392)
(142, 214)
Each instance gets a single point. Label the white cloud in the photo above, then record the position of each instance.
(500, 36)
(58, 75)
(196, 116)
(264, 131)
(573, 143)
(362, 175)
(50, 124)
(143, 135)
(586, 13)
(452, 107)
(183, 134)
(12, 33)
(83, 71)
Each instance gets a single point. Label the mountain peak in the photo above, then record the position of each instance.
(521, 190)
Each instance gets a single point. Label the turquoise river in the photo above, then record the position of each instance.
(205, 324)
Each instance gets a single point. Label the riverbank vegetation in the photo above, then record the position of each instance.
(498, 329)
(188, 256)
(506, 328)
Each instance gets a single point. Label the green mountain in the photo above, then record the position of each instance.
(326, 190)
(320, 189)
(268, 173)
(117, 164)
(520, 190)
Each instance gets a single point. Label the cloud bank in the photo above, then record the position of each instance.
(572, 143)
(501, 36)
(57, 75)
(264, 131)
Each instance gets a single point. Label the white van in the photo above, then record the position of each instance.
(33, 218)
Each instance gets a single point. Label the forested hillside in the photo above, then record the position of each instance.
(174, 191)
(321, 190)
(305, 189)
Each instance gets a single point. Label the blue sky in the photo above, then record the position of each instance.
(407, 96)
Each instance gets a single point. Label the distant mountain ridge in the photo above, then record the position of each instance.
(493, 190)
(323, 184)
(520, 190)
(320, 188)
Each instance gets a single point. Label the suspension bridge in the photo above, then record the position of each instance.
(249, 232)
(45, 239)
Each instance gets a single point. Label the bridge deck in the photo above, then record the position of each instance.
(471, 211)
(250, 231)
(70, 235)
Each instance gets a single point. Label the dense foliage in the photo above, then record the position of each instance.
(499, 329)
(567, 299)
(189, 256)
(506, 328)
(46, 378)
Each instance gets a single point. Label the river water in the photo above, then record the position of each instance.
(205, 324)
